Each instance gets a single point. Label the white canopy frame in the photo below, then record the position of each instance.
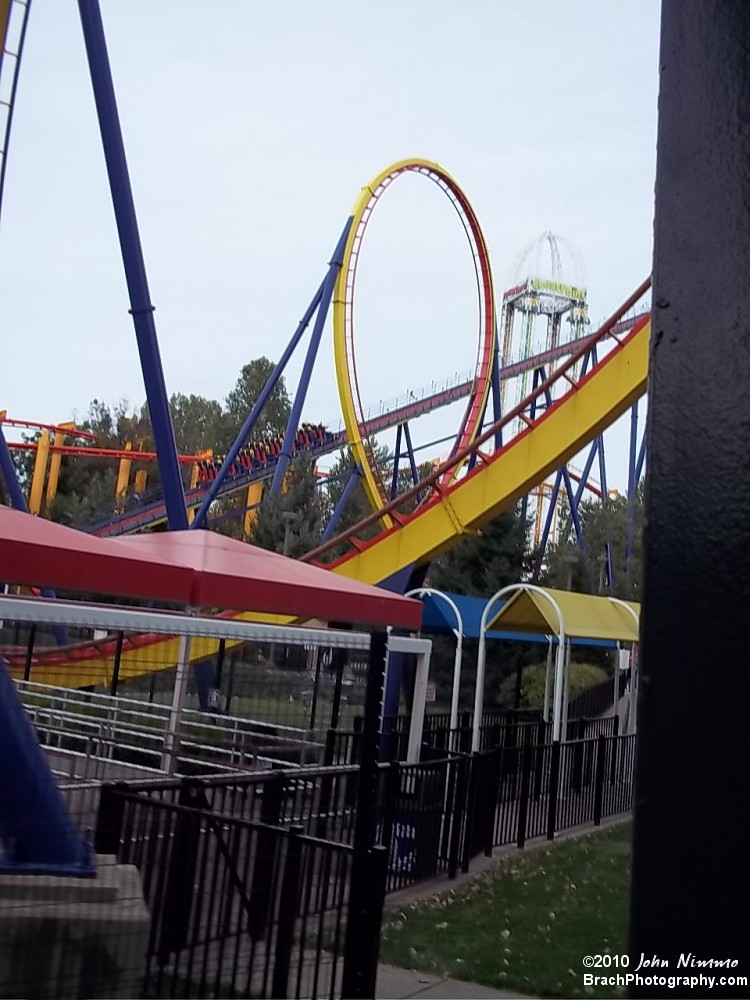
(422, 649)
(458, 656)
(514, 588)
(634, 669)
(562, 664)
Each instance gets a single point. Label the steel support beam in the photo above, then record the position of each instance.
(252, 417)
(691, 875)
(354, 477)
(334, 266)
(141, 308)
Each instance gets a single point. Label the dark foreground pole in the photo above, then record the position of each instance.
(691, 866)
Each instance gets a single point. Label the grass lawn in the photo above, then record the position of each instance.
(527, 924)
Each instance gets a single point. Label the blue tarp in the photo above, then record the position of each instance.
(439, 617)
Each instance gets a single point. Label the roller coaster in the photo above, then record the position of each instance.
(492, 463)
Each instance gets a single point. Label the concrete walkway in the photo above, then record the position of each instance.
(399, 984)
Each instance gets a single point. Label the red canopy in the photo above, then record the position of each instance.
(227, 573)
(198, 568)
(40, 552)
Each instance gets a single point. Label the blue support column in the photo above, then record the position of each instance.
(141, 308)
(354, 477)
(547, 524)
(412, 461)
(8, 469)
(496, 405)
(396, 458)
(633, 449)
(536, 379)
(572, 500)
(581, 487)
(641, 460)
(691, 876)
(632, 483)
(244, 433)
(35, 829)
(325, 299)
(496, 397)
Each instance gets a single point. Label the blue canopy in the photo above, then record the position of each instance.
(438, 617)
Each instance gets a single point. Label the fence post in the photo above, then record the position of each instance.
(578, 755)
(116, 665)
(360, 973)
(613, 765)
(29, 652)
(390, 798)
(541, 741)
(464, 738)
(489, 796)
(601, 758)
(523, 805)
(369, 863)
(271, 807)
(287, 913)
(179, 892)
(554, 781)
(109, 819)
(471, 812)
(459, 813)
(356, 740)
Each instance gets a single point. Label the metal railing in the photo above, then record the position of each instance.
(238, 906)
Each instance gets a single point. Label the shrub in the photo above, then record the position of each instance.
(582, 676)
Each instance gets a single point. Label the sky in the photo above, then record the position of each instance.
(250, 128)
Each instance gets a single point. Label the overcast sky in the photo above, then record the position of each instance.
(250, 128)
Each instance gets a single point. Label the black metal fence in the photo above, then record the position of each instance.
(238, 907)
(507, 729)
(599, 698)
(250, 878)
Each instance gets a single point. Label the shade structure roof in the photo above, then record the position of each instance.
(584, 616)
(223, 572)
(197, 568)
(439, 617)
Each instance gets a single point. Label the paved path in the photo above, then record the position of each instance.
(399, 984)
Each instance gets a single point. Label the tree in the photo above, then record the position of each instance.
(601, 524)
(199, 423)
(292, 522)
(86, 487)
(357, 506)
(582, 676)
(240, 401)
(483, 563)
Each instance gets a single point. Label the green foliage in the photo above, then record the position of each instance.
(600, 523)
(199, 423)
(357, 506)
(86, 489)
(582, 676)
(481, 564)
(240, 401)
(292, 522)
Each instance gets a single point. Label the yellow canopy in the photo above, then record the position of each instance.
(584, 616)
